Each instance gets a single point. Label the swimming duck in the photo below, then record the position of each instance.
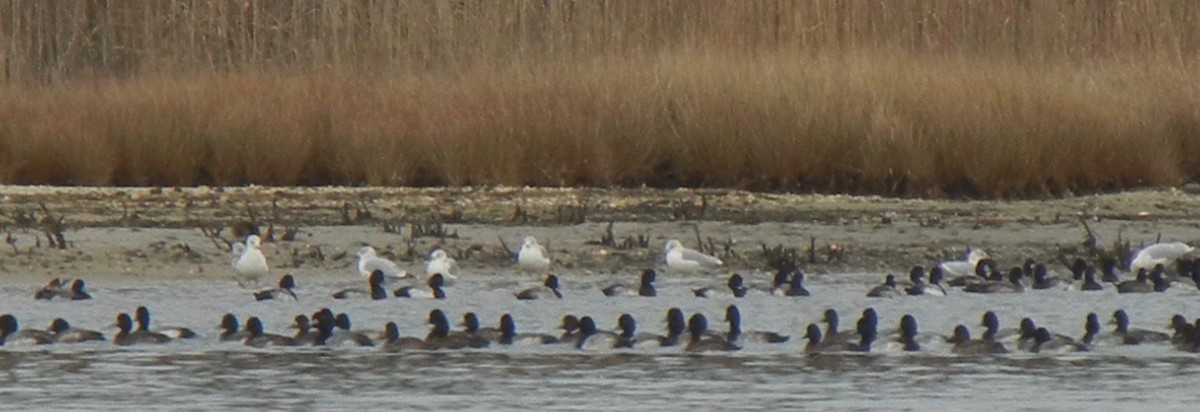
(1140, 284)
(1046, 342)
(509, 335)
(142, 315)
(570, 327)
(780, 283)
(63, 333)
(304, 333)
(979, 275)
(1013, 285)
(375, 288)
(964, 345)
(11, 333)
(592, 338)
(697, 342)
(549, 290)
(286, 284)
(796, 287)
(887, 290)
(1043, 281)
(229, 329)
(471, 327)
(1135, 336)
(992, 331)
(77, 291)
(645, 290)
(816, 344)
(1094, 336)
(735, 284)
(734, 316)
(260, 339)
(629, 338)
(1089, 280)
(676, 327)
(907, 340)
(832, 334)
(439, 336)
(1108, 270)
(342, 335)
(126, 337)
(919, 287)
(393, 342)
(49, 291)
(1183, 331)
(435, 283)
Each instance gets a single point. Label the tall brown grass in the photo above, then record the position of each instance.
(923, 98)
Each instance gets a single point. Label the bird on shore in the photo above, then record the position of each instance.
(684, 260)
(441, 263)
(251, 265)
(964, 267)
(532, 257)
(369, 262)
(1159, 254)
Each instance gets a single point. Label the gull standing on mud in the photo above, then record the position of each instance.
(368, 262)
(250, 265)
(964, 267)
(1159, 254)
(532, 257)
(236, 250)
(682, 259)
(440, 262)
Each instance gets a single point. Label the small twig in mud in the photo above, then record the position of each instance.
(507, 251)
(340, 255)
(214, 235)
(699, 241)
(1089, 241)
(53, 228)
(812, 250)
(289, 233)
(836, 253)
(188, 253)
(433, 229)
(393, 228)
(608, 238)
(11, 241)
(519, 215)
(573, 214)
(780, 258)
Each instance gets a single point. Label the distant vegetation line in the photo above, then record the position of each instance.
(936, 98)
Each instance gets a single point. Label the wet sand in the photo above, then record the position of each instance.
(160, 233)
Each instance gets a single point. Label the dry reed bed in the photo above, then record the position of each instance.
(933, 98)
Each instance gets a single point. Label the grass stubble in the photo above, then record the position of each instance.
(939, 98)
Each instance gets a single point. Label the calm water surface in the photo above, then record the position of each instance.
(206, 374)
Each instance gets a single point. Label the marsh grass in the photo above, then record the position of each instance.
(936, 98)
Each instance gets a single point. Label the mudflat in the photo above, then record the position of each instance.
(185, 232)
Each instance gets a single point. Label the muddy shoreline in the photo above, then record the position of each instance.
(173, 233)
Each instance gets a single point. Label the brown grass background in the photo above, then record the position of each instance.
(935, 98)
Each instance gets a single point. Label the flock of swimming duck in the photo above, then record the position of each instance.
(977, 274)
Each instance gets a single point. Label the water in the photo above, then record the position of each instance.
(206, 374)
